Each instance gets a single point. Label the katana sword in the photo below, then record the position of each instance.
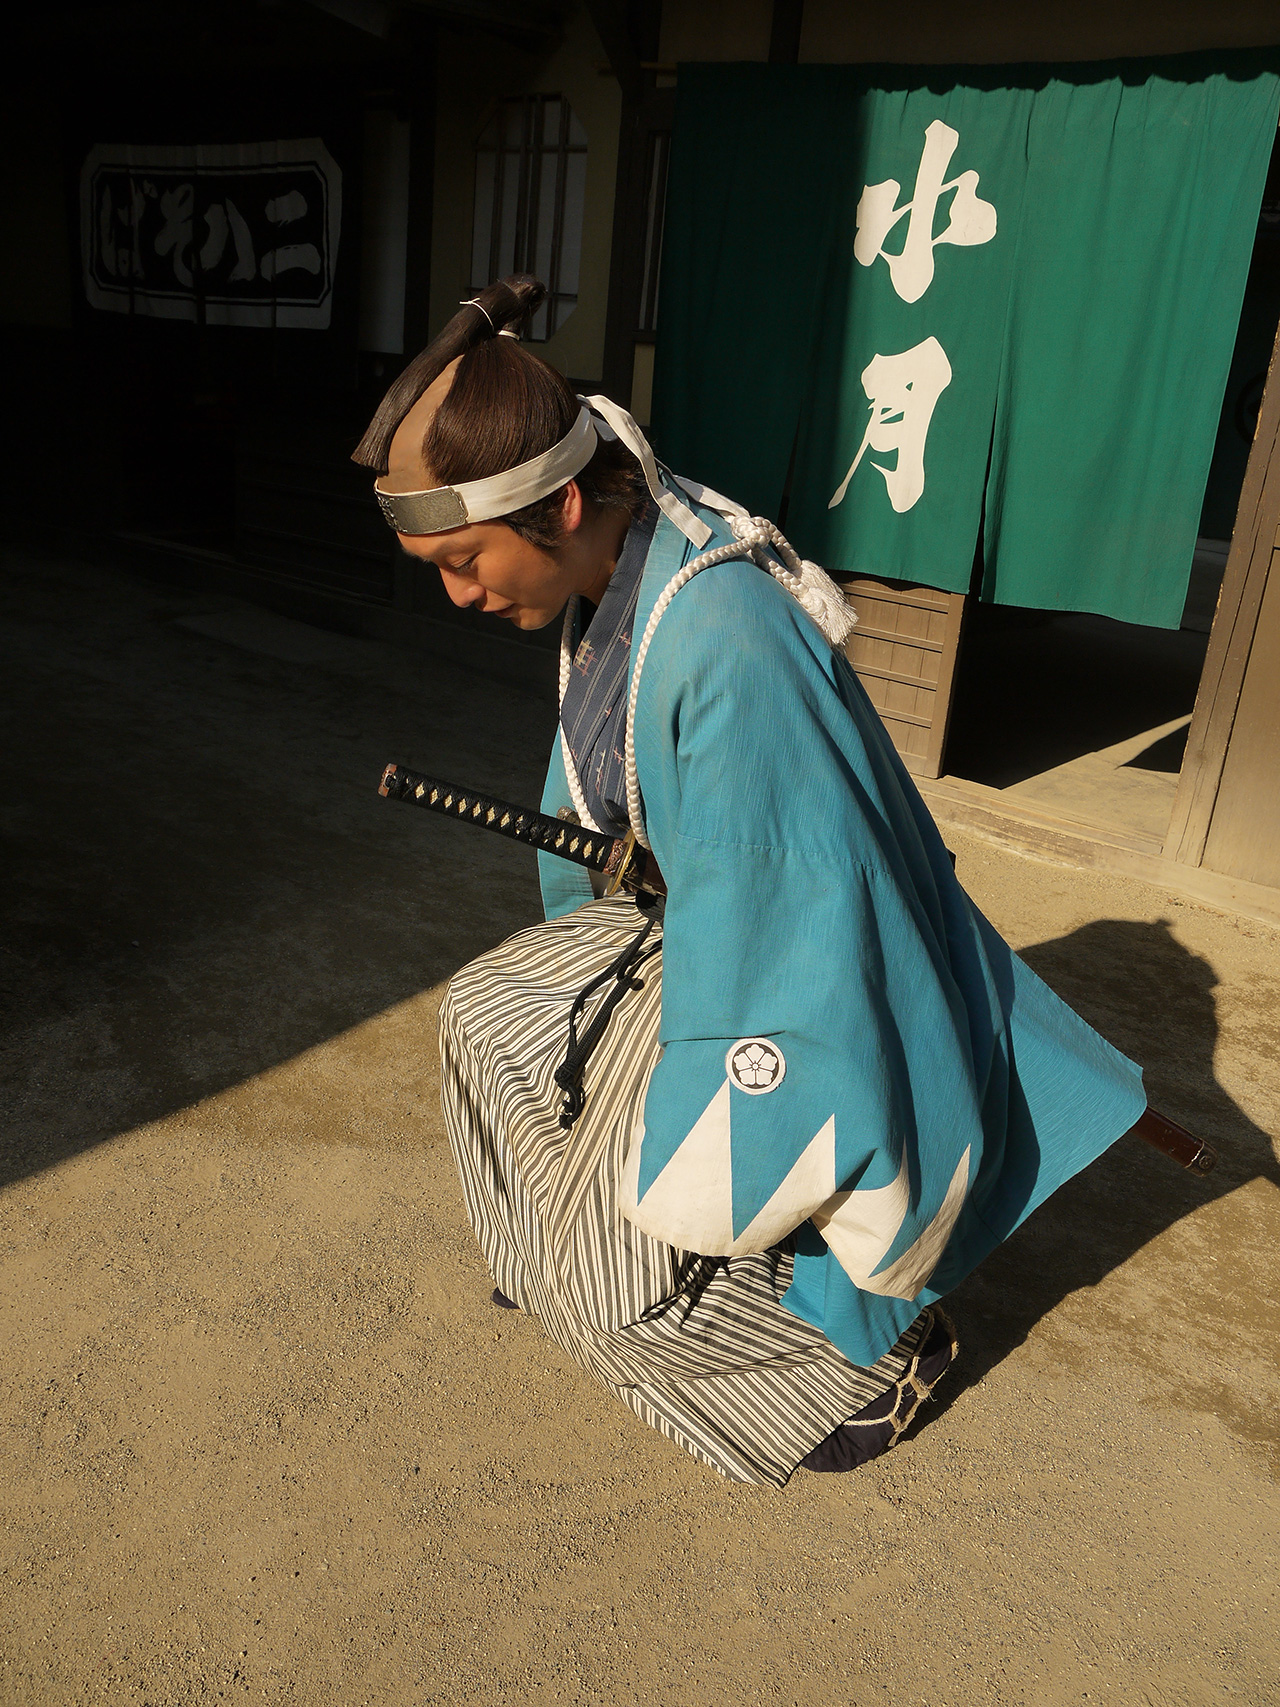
(628, 868)
(622, 862)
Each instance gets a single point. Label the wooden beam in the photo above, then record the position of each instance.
(532, 24)
(784, 35)
(1253, 539)
(610, 20)
(419, 88)
(630, 38)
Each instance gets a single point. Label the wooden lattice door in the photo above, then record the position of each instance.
(904, 650)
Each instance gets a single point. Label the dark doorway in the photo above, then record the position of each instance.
(1076, 713)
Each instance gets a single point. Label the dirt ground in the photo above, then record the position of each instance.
(265, 1437)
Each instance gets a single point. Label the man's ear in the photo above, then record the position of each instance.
(574, 508)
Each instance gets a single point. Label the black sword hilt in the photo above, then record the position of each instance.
(535, 829)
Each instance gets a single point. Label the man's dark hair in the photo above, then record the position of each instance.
(505, 407)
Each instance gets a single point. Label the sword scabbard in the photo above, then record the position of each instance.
(1174, 1141)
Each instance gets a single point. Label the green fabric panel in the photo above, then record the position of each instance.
(1139, 212)
(956, 323)
(751, 209)
(768, 322)
(1077, 341)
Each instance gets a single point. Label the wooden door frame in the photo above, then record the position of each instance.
(1235, 621)
(631, 44)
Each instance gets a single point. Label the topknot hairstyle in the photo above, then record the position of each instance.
(505, 407)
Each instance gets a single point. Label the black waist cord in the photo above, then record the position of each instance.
(579, 1050)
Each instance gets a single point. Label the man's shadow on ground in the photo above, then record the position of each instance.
(1154, 999)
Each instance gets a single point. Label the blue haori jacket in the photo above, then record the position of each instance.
(850, 1052)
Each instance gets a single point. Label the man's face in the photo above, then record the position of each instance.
(488, 567)
(485, 565)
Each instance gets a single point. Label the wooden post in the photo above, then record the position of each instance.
(1231, 639)
(644, 109)
(784, 33)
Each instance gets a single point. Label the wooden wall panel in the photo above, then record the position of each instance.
(1232, 655)
(1244, 834)
(904, 651)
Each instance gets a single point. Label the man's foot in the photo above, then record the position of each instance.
(879, 1425)
(503, 1302)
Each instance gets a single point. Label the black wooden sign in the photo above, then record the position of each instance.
(242, 234)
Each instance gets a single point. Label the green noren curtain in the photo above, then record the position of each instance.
(935, 304)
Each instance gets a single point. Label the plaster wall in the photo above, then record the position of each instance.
(715, 30)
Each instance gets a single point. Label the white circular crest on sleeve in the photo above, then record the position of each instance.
(755, 1065)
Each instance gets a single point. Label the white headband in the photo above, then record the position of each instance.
(445, 507)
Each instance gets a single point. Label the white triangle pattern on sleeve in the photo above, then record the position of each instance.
(690, 1205)
(860, 1226)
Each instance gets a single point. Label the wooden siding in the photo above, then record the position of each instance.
(1244, 833)
(1226, 813)
(904, 651)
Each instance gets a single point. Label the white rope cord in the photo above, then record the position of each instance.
(570, 768)
(810, 586)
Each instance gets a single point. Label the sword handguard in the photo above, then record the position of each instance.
(632, 868)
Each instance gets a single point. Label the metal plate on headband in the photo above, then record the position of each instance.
(423, 512)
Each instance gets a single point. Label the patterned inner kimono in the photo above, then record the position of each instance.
(836, 1089)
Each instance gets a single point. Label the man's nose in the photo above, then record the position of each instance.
(462, 590)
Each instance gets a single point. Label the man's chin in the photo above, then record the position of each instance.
(531, 619)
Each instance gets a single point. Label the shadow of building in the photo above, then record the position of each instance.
(201, 880)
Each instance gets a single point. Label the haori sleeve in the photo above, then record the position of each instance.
(800, 1006)
(845, 1039)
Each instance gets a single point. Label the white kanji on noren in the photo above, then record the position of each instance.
(755, 1065)
(972, 220)
(903, 390)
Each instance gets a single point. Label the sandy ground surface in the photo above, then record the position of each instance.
(266, 1439)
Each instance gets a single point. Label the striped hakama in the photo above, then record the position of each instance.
(699, 1347)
